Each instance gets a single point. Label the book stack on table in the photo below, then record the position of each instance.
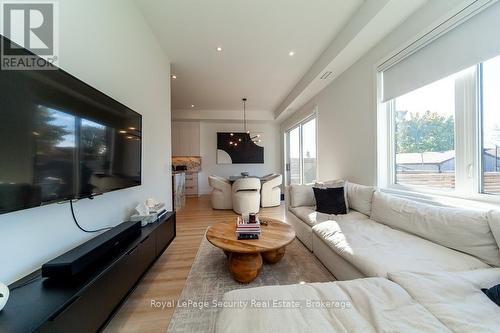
(246, 229)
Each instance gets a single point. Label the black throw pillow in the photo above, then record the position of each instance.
(330, 200)
(493, 293)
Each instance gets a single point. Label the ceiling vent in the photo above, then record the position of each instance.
(326, 75)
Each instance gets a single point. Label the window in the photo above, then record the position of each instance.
(293, 164)
(300, 144)
(446, 135)
(491, 126)
(438, 117)
(309, 151)
(425, 136)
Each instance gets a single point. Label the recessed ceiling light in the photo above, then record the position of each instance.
(192, 105)
(132, 128)
(291, 53)
(174, 76)
(122, 131)
(219, 49)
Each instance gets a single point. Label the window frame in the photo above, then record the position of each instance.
(299, 125)
(469, 179)
(480, 115)
(471, 196)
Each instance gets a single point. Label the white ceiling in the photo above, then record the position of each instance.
(256, 37)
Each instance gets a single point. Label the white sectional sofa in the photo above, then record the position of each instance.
(383, 233)
(399, 255)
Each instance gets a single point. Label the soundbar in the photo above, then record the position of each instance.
(82, 258)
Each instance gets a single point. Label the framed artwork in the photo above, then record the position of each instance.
(239, 148)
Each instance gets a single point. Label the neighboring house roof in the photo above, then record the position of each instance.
(425, 158)
(434, 157)
(491, 152)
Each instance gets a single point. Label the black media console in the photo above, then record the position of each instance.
(86, 303)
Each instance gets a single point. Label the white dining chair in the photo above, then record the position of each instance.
(246, 195)
(271, 191)
(221, 196)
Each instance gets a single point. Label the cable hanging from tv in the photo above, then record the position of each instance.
(78, 224)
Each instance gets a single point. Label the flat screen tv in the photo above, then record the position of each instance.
(61, 139)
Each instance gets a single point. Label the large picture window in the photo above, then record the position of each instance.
(446, 134)
(425, 136)
(438, 117)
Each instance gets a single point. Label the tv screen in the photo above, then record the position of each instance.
(61, 139)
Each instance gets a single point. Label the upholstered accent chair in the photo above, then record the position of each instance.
(221, 193)
(246, 195)
(271, 190)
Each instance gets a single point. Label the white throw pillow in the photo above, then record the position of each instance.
(330, 183)
(301, 195)
(360, 197)
(464, 230)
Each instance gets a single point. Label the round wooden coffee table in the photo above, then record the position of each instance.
(245, 256)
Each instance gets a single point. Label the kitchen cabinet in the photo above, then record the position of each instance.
(191, 184)
(185, 138)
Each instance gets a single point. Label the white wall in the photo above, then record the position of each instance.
(346, 109)
(208, 151)
(108, 45)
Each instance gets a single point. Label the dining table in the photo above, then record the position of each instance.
(232, 179)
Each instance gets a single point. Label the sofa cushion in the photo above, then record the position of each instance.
(455, 298)
(351, 216)
(357, 306)
(464, 230)
(310, 216)
(301, 195)
(376, 249)
(359, 197)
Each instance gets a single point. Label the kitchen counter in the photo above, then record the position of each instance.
(192, 164)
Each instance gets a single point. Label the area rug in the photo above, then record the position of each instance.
(210, 278)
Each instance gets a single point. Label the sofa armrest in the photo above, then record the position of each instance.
(287, 197)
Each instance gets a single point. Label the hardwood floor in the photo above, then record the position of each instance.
(166, 279)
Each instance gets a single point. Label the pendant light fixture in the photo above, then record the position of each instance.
(237, 139)
(245, 116)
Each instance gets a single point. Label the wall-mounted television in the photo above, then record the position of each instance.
(61, 139)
